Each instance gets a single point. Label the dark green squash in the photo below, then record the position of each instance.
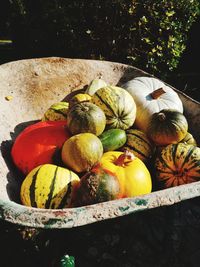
(167, 126)
(113, 139)
(86, 117)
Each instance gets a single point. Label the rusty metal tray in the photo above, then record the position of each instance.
(35, 84)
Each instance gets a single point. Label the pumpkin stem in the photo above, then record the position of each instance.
(157, 93)
(124, 158)
(161, 116)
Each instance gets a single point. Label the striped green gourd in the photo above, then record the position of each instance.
(178, 164)
(118, 106)
(57, 111)
(86, 117)
(49, 186)
(139, 144)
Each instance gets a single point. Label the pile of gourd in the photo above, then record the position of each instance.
(104, 144)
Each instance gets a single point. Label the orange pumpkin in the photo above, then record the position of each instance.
(37, 143)
(133, 175)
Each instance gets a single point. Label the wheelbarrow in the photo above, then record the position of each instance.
(27, 89)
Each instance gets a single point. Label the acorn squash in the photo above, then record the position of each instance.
(167, 126)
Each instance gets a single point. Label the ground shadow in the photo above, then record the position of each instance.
(14, 176)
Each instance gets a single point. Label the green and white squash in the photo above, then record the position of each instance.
(189, 139)
(95, 85)
(79, 98)
(57, 111)
(49, 186)
(139, 144)
(118, 106)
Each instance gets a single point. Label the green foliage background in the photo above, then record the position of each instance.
(148, 34)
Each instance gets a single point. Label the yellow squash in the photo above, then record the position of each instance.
(49, 186)
(133, 175)
(79, 98)
(82, 152)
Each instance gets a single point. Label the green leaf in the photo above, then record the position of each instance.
(170, 13)
(67, 261)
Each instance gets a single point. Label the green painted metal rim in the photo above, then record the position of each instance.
(74, 217)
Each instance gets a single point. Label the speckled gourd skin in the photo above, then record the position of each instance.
(97, 186)
(86, 117)
(81, 152)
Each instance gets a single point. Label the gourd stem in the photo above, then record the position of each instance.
(161, 116)
(124, 158)
(157, 93)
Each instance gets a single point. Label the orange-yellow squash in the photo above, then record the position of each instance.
(133, 175)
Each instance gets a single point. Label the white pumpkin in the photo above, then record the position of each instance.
(151, 95)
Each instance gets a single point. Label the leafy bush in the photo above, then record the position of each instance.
(148, 34)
